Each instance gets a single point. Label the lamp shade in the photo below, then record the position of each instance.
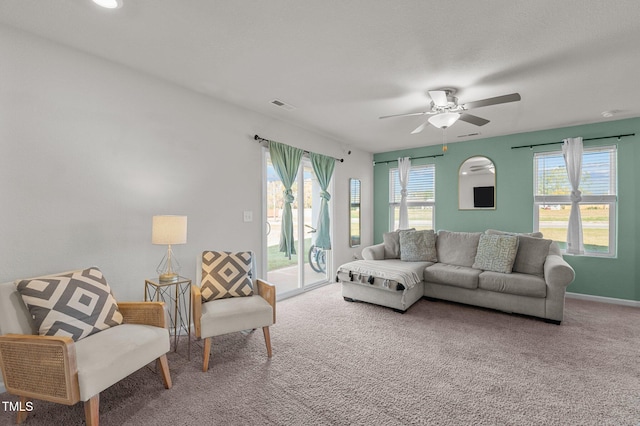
(444, 120)
(169, 230)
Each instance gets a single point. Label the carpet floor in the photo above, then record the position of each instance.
(340, 363)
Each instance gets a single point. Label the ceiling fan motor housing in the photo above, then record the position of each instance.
(452, 102)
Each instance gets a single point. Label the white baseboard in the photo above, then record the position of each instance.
(602, 299)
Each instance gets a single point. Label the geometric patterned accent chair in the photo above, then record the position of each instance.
(228, 300)
(65, 339)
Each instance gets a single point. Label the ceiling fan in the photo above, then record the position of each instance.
(488, 166)
(445, 109)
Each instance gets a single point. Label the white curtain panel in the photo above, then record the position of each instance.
(404, 165)
(572, 152)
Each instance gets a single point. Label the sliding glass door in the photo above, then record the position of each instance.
(309, 265)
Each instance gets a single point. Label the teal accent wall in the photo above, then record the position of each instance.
(609, 277)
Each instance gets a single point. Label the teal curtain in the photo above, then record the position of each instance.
(286, 161)
(323, 167)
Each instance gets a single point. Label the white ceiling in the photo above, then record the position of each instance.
(344, 63)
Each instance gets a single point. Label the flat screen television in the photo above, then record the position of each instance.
(483, 196)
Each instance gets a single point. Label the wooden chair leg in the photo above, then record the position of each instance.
(164, 370)
(207, 351)
(92, 411)
(267, 340)
(22, 415)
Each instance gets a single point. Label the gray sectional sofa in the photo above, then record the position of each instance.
(516, 273)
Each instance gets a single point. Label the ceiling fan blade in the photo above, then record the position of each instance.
(420, 128)
(473, 119)
(404, 115)
(439, 97)
(513, 97)
(476, 168)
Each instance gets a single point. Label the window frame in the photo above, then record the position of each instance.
(393, 205)
(610, 200)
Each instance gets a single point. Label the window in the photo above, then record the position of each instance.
(598, 184)
(421, 199)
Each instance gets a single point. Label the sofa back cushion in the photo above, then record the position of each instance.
(457, 248)
(529, 234)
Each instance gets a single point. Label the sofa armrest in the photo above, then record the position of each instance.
(375, 252)
(40, 367)
(268, 293)
(148, 313)
(557, 272)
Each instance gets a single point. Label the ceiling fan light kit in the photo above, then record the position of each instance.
(109, 4)
(444, 120)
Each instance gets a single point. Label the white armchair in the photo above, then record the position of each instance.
(235, 303)
(61, 370)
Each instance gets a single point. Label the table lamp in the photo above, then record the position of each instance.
(169, 230)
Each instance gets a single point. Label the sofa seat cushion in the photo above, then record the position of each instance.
(454, 275)
(224, 316)
(514, 283)
(107, 357)
(457, 248)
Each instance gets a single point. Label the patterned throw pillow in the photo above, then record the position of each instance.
(418, 246)
(391, 242)
(76, 304)
(225, 274)
(496, 253)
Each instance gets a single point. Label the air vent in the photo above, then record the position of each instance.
(283, 105)
(469, 134)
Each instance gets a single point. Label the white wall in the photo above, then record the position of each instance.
(91, 150)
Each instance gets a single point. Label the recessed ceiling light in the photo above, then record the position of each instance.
(109, 4)
(610, 113)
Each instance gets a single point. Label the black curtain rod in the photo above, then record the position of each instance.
(261, 140)
(587, 139)
(411, 158)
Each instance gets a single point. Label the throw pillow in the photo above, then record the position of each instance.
(418, 246)
(225, 274)
(496, 253)
(391, 241)
(76, 304)
(532, 253)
